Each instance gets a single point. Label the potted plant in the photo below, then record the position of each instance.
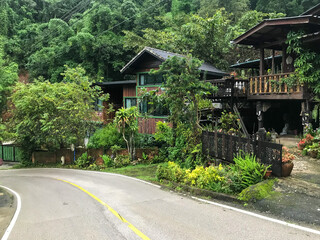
(302, 144)
(287, 164)
(313, 150)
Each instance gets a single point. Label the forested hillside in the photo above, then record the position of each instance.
(43, 36)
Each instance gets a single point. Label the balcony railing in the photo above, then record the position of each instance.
(230, 87)
(272, 84)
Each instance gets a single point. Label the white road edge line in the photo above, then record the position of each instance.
(259, 216)
(114, 174)
(15, 216)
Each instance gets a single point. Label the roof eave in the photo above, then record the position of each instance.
(273, 22)
(145, 50)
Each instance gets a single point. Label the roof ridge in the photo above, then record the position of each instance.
(165, 51)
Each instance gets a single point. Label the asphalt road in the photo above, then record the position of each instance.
(108, 206)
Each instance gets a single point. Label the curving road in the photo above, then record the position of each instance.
(109, 206)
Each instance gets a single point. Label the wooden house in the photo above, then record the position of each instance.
(126, 93)
(276, 104)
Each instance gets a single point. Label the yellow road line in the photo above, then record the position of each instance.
(133, 228)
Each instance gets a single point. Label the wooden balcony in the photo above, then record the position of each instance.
(273, 87)
(228, 88)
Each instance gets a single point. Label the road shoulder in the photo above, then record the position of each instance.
(7, 209)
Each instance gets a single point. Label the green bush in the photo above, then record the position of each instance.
(108, 162)
(233, 180)
(121, 161)
(230, 179)
(106, 137)
(83, 161)
(205, 178)
(251, 171)
(170, 171)
(93, 167)
(146, 140)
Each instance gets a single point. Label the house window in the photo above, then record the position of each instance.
(147, 79)
(130, 102)
(153, 110)
(98, 105)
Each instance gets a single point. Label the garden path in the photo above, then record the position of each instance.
(297, 197)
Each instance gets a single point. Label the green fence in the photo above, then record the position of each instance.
(10, 153)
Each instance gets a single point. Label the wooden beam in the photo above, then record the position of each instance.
(291, 96)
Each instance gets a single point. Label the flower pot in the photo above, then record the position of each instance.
(268, 174)
(287, 169)
(313, 153)
(301, 147)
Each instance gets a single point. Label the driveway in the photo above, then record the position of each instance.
(73, 204)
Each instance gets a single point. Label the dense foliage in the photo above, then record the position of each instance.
(307, 62)
(51, 115)
(228, 179)
(43, 35)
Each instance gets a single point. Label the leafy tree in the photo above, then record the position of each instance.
(307, 62)
(206, 38)
(184, 89)
(8, 77)
(289, 7)
(52, 115)
(126, 120)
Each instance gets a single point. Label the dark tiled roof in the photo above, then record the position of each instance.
(164, 55)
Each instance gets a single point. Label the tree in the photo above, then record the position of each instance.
(53, 115)
(8, 77)
(184, 89)
(126, 120)
(307, 62)
(183, 94)
(206, 38)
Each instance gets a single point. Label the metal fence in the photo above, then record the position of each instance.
(225, 147)
(10, 153)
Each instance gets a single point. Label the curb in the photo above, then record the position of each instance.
(200, 192)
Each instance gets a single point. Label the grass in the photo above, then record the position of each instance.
(142, 171)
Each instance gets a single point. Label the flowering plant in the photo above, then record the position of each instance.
(309, 138)
(302, 143)
(286, 156)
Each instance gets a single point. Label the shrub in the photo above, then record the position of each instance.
(205, 178)
(121, 161)
(106, 137)
(170, 171)
(83, 161)
(164, 133)
(108, 162)
(94, 167)
(251, 171)
(233, 179)
(146, 140)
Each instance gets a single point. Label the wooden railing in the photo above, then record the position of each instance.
(230, 87)
(272, 84)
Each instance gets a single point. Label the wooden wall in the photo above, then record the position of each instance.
(149, 125)
(129, 91)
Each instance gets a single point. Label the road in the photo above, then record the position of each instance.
(109, 206)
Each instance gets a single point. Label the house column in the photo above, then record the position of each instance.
(284, 56)
(261, 61)
(305, 114)
(259, 112)
(273, 65)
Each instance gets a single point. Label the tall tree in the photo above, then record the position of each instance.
(8, 77)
